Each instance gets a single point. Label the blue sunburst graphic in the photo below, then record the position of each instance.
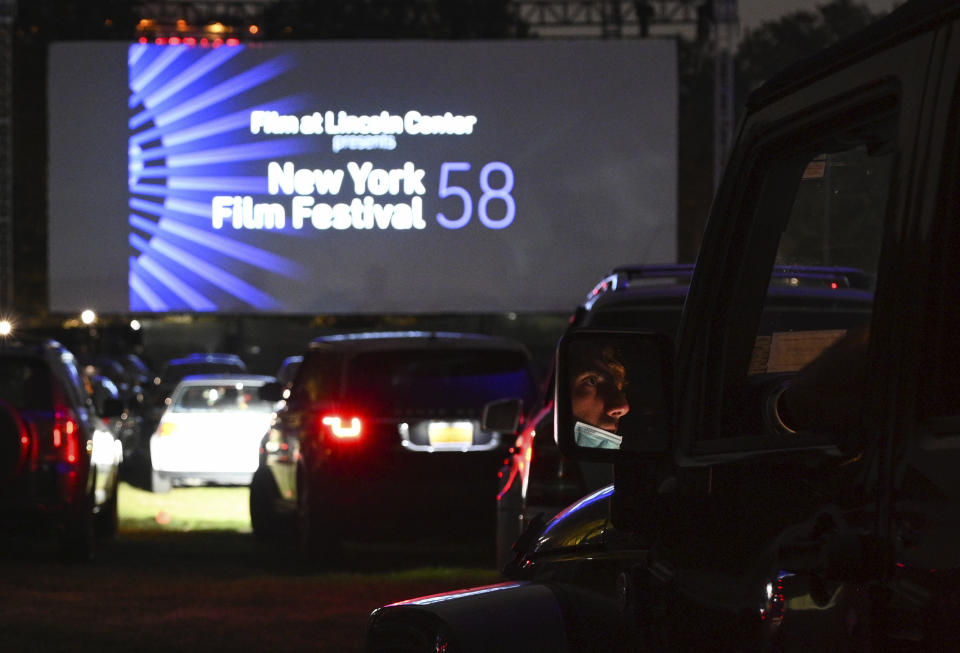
(190, 141)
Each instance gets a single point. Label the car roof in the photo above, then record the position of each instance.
(209, 379)
(907, 20)
(656, 284)
(28, 345)
(205, 358)
(381, 340)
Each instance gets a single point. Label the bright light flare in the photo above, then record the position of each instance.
(88, 316)
(341, 430)
(6, 328)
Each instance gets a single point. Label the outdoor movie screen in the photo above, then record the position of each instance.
(356, 177)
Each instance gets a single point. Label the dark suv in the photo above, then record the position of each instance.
(58, 463)
(792, 485)
(538, 481)
(381, 434)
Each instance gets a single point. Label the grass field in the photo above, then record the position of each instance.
(186, 574)
(185, 509)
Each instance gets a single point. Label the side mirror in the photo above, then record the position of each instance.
(272, 391)
(613, 395)
(502, 415)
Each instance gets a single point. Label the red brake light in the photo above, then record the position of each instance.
(66, 434)
(342, 428)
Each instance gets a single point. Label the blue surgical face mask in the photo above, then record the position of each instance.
(592, 437)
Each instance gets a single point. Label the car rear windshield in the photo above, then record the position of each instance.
(401, 381)
(25, 383)
(228, 396)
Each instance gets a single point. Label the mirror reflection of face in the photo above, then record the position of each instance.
(597, 389)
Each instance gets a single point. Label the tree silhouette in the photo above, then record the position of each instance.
(776, 44)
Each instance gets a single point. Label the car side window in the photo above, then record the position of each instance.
(318, 379)
(76, 387)
(799, 365)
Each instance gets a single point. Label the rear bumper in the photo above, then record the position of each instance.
(430, 493)
(204, 478)
(45, 494)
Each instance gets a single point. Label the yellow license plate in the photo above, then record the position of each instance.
(441, 433)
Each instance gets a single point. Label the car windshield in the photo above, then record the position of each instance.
(219, 398)
(25, 383)
(400, 381)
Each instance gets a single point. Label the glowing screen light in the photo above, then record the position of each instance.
(356, 177)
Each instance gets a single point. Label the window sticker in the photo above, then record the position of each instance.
(789, 351)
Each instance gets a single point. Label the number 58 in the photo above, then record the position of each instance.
(489, 194)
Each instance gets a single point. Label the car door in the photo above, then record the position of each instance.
(776, 528)
(920, 596)
(317, 381)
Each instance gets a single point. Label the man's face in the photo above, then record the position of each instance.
(597, 396)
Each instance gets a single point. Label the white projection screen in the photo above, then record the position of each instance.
(356, 176)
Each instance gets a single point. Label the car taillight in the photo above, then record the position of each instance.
(342, 428)
(66, 435)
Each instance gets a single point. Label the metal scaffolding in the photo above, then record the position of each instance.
(609, 18)
(8, 9)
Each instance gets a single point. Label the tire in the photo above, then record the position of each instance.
(159, 483)
(107, 519)
(316, 530)
(263, 515)
(78, 541)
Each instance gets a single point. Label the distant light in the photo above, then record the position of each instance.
(135, 325)
(511, 316)
(88, 317)
(233, 42)
(216, 28)
(253, 29)
(6, 328)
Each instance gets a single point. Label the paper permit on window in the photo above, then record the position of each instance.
(587, 435)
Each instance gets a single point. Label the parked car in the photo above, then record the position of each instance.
(288, 369)
(381, 435)
(210, 431)
(126, 425)
(792, 484)
(537, 481)
(58, 463)
(175, 369)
